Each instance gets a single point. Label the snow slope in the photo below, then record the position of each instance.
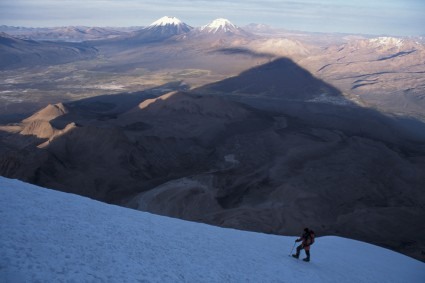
(219, 25)
(50, 236)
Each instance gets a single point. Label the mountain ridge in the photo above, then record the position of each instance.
(15, 52)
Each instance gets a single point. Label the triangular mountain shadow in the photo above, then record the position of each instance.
(242, 51)
(282, 86)
(281, 78)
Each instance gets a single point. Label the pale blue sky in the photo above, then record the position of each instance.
(393, 17)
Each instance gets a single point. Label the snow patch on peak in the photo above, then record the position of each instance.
(166, 21)
(220, 24)
(387, 41)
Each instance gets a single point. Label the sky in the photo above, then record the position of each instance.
(383, 17)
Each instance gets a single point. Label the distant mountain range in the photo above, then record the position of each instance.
(16, 52)
(362, 66)
(158, 30)
(68, 34)
(171, 27)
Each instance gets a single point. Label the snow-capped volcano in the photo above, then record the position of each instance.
(171, 24)
(220, 26)
(166, 21)
(161, 29)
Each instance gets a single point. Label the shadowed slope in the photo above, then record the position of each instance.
(280, 78)
(15, 53)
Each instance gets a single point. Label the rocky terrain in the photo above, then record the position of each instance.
(241, 130)
(385, 72)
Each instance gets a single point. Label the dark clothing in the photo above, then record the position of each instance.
(307, 252)
(307, 239)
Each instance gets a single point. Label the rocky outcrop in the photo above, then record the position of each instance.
(50, 112)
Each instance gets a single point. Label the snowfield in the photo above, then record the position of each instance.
(50, 236)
